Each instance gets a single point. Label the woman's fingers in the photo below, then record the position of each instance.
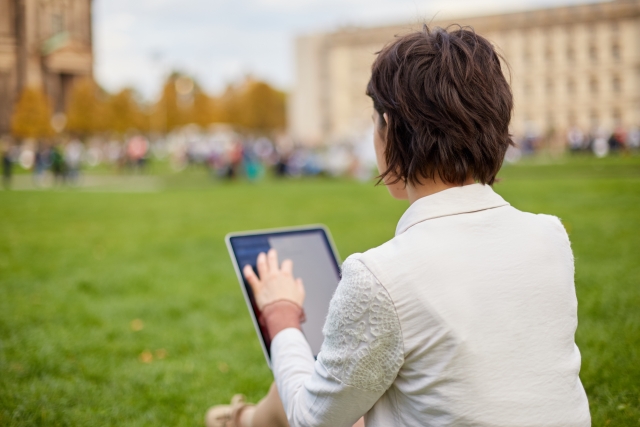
(300, 287)
(253, 280)
(272, 260)
(287, 266)
(262, 266)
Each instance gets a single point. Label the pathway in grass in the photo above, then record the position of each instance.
(123, 309)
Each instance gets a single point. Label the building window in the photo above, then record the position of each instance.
(593, 53)
(549, 86)
(571, 54)
(593, 86)
(526, 56)
(571, 86)
(615, 51)
(548, 54)
(527, 88)
(616, 84)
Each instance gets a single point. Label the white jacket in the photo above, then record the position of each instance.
(465, 318)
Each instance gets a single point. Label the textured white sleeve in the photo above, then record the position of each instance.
(362, 339)
(359, 360)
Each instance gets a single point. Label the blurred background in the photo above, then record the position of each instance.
(135, 134)
(241, 89)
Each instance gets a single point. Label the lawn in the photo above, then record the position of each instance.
(123, 308)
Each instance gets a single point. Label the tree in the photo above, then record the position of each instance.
(123, 113)
(32, 115)
(254, 106)
(167, 114)
(85, 110)
(203, 111)
(262, 107)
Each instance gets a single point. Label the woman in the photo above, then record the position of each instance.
(467, 316)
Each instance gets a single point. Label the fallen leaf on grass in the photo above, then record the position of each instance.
(137, 325)
(146, 357)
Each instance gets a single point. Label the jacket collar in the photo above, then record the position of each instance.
(453, 201)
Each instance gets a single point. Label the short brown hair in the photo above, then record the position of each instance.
(448, 106)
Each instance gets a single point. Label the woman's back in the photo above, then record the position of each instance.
(486, 305)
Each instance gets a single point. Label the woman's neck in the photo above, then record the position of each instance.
(431, 186)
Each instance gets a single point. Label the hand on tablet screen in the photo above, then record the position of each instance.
(274, 282)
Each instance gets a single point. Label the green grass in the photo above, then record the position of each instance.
(77, 268)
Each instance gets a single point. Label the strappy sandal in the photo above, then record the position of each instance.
(226, 415)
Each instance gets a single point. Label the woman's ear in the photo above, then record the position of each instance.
(385, 116)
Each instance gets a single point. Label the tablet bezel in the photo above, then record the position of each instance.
(273, 231)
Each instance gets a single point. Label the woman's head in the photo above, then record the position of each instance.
(442, 108)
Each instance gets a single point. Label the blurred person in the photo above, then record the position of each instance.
(73, 153)
(41, 163)
(58, 165)
(467, 316)
(617, 139)
(575, 139)
(600, 143)
(7, 166)
(530, 141)
(280, 168)
(234, 159)
(634, 138)
(137, 149)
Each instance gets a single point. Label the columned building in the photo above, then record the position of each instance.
(570, 66)
(44, 44)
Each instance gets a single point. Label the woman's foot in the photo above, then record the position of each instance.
(227, 415)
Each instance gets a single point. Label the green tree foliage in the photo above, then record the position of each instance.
(32, 115)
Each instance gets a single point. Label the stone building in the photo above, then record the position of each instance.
(44, 44)
(570, 66)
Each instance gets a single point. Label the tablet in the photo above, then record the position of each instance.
(315, 261)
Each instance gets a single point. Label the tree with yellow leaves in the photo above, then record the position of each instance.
(254, 106)
(85, 110)
(203, 111)
(123, 113)
(167, 114)
(262, 108)
(32, 115)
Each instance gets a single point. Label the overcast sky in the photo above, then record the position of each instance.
(137, 42)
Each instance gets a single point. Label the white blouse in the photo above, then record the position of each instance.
(466, 318)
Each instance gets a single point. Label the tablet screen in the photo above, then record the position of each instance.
(314, 261)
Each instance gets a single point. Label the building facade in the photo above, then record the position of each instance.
(44, 44)
(569, 66)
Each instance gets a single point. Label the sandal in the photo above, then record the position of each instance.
(226, 415)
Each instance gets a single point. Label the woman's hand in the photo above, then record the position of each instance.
(274, 283)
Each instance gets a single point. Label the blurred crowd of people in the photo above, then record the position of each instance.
(598, 142)
(62, 161)
(601, 142)
(226, 154)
